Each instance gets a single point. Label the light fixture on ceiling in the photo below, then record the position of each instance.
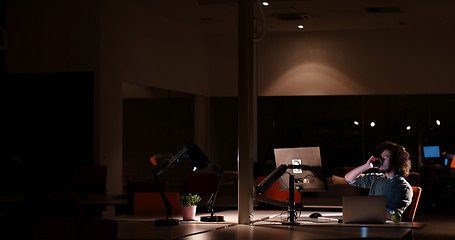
(300, 26)
(265, 3)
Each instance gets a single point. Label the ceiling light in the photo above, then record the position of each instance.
(300, 26)
(438, 122)
(356, 123)
(265, 3)
(372, 124)
(408, 128)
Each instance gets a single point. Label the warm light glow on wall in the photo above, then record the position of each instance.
(311, 78)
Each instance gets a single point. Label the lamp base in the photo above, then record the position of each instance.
(290, 223)
(167, 222)
(212, 219)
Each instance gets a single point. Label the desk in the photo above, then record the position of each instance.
(264, 227)
(275, 232)
(148, 230)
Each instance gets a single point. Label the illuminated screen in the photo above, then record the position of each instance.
(431, 151)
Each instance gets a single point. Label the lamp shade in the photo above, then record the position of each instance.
(197, 158)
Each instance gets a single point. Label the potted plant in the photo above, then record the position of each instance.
(188, 203)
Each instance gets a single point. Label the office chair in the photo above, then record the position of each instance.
(409, 213)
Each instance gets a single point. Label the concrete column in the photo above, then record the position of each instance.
(246, 111)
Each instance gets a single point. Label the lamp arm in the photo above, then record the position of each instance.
(212, 198)
(216, 169)
(169, 162)
(157, 172)
(166, 202)
(270, 179)
(275, 175)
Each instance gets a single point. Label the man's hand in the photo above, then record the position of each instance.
(354, 173)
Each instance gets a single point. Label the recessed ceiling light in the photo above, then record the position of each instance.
(300, 26)
(265, 3)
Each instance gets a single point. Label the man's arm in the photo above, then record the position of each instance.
(402, 199)
(354, 173)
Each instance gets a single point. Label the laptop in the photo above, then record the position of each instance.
(364, 209)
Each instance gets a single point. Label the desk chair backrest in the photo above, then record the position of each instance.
(150, 203)
(409, 213)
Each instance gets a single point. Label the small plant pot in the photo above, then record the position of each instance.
(189, 213)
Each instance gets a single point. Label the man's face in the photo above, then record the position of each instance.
(385, 161)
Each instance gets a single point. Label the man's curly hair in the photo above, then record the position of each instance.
(400, 161)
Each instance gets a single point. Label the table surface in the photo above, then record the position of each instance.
(274, 232)
(265, 225)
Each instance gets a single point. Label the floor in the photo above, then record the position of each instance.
(440, 227)
(438, 210)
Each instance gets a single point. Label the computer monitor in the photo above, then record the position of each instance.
(431, 152)
(312, 180)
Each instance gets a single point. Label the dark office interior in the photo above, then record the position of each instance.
(89, 88)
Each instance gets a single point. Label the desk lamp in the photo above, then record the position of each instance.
(268, 182)
(199, 161)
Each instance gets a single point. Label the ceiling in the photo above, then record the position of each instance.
(315, 15)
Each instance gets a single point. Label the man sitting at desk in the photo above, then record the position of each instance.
(389, 181)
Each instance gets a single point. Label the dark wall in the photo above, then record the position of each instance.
(48, 128)
(328, 122)
(2, 38)
(308, 122)
(155, 126)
